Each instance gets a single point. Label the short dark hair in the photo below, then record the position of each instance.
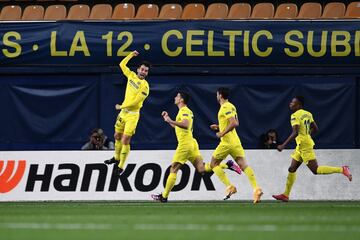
(145, 63)
(185, 96)
(301, 99)
(224, 92)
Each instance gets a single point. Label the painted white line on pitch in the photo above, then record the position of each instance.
(246, 219)
(58, 226)
(183, 227)
(247, 228)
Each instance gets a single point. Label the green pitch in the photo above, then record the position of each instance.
(180, 220)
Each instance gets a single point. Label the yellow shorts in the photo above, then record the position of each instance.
(126, 122)
(187, 152)
(224, 149)
(303, 154)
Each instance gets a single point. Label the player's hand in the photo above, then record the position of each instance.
(219, 134)
(135, 53)
(164, 113)
(214, 127)
(118, 107)
(280, 147)
(167, 119)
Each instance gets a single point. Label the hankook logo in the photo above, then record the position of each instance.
(9, 176)
(71, 177)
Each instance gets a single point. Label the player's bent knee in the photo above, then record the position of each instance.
(292, 169)
(117, 136)
(201, 170)
(125, 139)
(214, 164)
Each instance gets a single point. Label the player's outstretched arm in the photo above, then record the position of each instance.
(123, 63)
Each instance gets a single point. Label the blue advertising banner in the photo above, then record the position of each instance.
(182, 42)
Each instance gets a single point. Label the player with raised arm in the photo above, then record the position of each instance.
(230, 144)
(303, 127)
(137, 90)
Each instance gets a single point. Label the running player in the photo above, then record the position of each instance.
(188, 148)
(303, 126)
(137, 90)
(230, 144)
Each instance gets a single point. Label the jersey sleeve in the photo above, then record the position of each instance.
(185, 115)
(229, 112)
(311, 118)
(294, 120)
(145, 90)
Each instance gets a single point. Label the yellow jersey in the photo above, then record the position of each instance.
(227, 111)
(137, 89)
(303, 119)
(184, 136)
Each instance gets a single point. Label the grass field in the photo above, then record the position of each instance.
(180, 220)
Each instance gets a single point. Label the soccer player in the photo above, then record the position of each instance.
(303, 126)
(137, 90)
(230, 144)
(188, 148)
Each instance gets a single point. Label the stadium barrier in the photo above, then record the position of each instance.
(81, 175)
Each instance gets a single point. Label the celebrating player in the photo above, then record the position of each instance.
(303, 126)
(137, 90)
(230, 144)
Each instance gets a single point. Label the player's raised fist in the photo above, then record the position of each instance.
(135, 53)
(118, 107)
(164, 113)
(214, 127)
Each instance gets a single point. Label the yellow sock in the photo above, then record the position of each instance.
(223, 165)
(328, 170)
(170, 183)
(123, 155)
(289, 183)
(221, 175)
(118, 146)
(249, 172)
(207, 167)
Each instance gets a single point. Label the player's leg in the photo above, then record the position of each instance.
(119, 129)
(249, 172)
(316, 169)
(310, 159)
(125, 150)
(170, 183)
(220, 154)
(182, 153)
(131, 121)
(223, 165)
(198, 161)
(295, 164)
(239, 155)
(199, 164)
(118, 145)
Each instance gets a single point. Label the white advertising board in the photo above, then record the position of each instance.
(81, 175)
